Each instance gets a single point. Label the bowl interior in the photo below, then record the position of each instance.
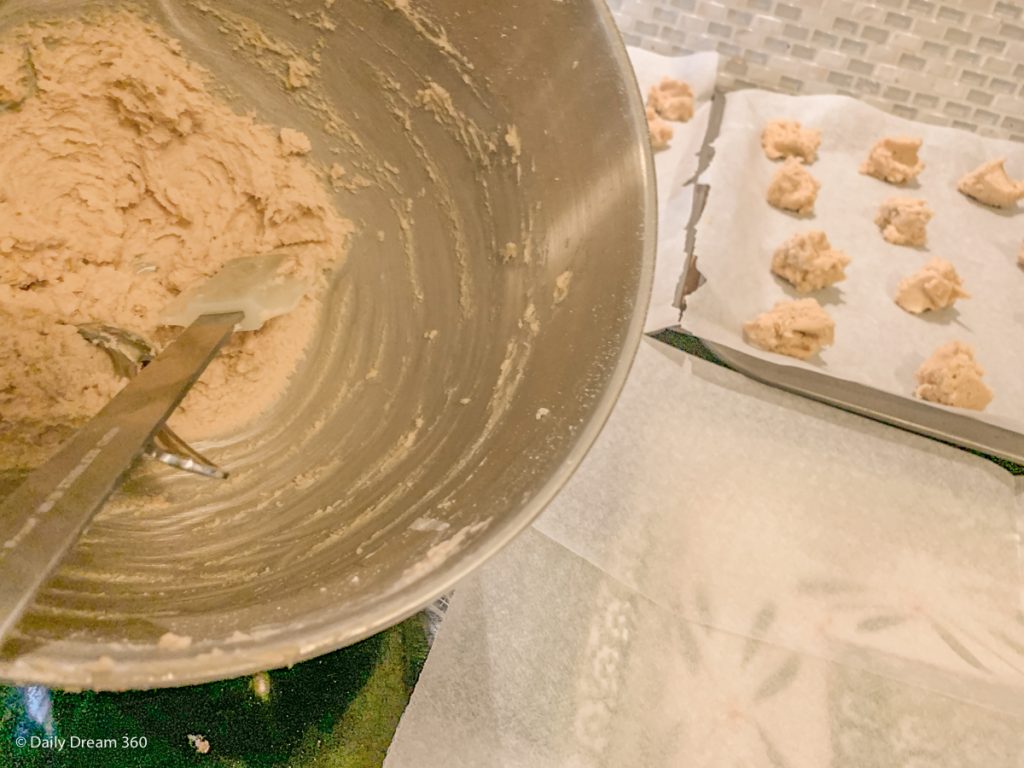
(470, 348)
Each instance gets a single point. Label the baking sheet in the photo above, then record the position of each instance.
(877, 343)
(674, 167)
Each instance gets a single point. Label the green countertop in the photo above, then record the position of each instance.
(336, 711)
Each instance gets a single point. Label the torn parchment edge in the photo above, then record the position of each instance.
(692, 279)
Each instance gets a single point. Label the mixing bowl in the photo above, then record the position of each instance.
(498, 171)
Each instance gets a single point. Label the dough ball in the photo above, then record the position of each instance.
(989, 184)
(787, 138)
(904, 221)
(894, 160)
(798, 328)
(661, 132)
(55, 381)
(126, 179)
(672, 99)
(935, 286)
(808, 262)
(952, 377)
(793, 188)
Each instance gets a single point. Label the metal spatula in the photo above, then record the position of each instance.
(43, 517)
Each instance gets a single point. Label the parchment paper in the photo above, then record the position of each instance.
(675, 166)
(877, 343)
(738, 576)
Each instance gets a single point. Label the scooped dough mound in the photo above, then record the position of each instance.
(809, 262)
(661, 132)
(672, 99)
(793, 188)
(894, 160)
(798, 328)
(904, 221)
(935, 286)
(123, 181)
(989, 184)
(952, 377)
(787, 138)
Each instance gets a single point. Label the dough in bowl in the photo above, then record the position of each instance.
(123, 181)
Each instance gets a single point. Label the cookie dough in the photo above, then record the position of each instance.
(787, 138)
(123, 181)
(935, 286)
(1020, 256)
(13, 76)
(295, 142)
(661, 132)
(894, 160)
(809, 262)
(952, 377)
(793, 188)
(989, 184)
(672, 99)
(904, 221)
(49, 381)
(798, 328)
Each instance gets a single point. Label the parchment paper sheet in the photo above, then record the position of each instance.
(674, 166)
(877, 343)
(739, 576)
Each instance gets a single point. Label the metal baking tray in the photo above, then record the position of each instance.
(919, 417)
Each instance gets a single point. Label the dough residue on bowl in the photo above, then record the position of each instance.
(123, 181)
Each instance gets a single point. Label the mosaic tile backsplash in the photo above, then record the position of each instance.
(948, 63)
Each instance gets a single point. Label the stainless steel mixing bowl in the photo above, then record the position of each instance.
(471, 349)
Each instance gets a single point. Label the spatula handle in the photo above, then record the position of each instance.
(42, 519)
